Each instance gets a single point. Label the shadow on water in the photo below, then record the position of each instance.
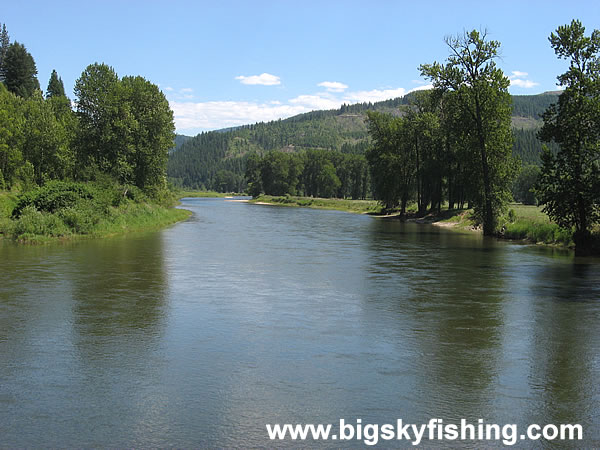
(565, 357)
(79, 328)
(454, 319)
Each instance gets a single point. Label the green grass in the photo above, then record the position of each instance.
(55, 213)
(530, 223)
(195, 194)
(353, 206)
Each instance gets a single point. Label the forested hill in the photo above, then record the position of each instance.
(216, 159)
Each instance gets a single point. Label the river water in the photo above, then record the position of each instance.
(246, 315)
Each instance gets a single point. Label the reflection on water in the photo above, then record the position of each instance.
(245, 315)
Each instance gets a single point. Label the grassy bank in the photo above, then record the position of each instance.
(64, 210)
(530, 223)
(196, 194)
(521, 222)
(353, 206)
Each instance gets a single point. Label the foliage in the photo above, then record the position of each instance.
(56, 87)
(11, 135)
(354, 206)
(53, 196)
(482, 92)
(569, 186)
(4, 44)
(314, 173)
(390, 160)
(126, 127)
(523, 187)
(61, 209)
(19, 71)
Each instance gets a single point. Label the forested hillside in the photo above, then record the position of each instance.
(217, 159)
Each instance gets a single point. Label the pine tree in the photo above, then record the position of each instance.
(56, 87)
(4, 43)
(19, 71)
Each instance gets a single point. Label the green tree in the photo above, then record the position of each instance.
(524, 186)
(569, 186)
(12, 124)
(19, 71)
(126, 127)
(391, 160)
(47, 140)
(152, 131)
(252, 174)
(100, 139)
(482, 91)
(56, 87)
(4, 43)
(280, 172)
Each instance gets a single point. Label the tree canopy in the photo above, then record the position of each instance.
(482, 92)
(56, 87)
(125, 126)
(19, 72)
(569, 186)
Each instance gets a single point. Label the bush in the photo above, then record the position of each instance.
(82, 218)
(53, 196)
(32, 222)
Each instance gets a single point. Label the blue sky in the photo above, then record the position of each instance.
(226, 63)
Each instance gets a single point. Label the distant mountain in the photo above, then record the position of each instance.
(198, 161)
(179, 140)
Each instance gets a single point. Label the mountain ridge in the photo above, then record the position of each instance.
(196, 161)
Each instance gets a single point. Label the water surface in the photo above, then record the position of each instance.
(199, 335)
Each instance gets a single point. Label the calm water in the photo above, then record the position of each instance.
(199, 335)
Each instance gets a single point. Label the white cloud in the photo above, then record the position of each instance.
(376, 95)
(312, 102)
(168, 88)
(221, 114)
(527, 84)
(192, 117)
(425, 87)
(518, 79)
(186, 90)
(518, 74)
(333, 86)
(264, 79)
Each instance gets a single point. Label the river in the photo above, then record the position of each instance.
(245, 315)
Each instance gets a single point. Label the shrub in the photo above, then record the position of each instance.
(53, 196)
(32, 222)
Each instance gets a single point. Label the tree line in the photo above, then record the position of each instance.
(121, 127)
(216, 160)
(311, 173)
(455, 143)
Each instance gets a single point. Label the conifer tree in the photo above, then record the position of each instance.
(19, 71)
(4, 43)
(56, 87)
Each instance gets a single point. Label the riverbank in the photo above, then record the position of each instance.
(353, 206)
(207, 194)
(66, 211)
(521, 223)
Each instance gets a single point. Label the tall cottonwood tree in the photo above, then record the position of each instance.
(126, 127)
(482, 92)
(391, 159)
(569, 187)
